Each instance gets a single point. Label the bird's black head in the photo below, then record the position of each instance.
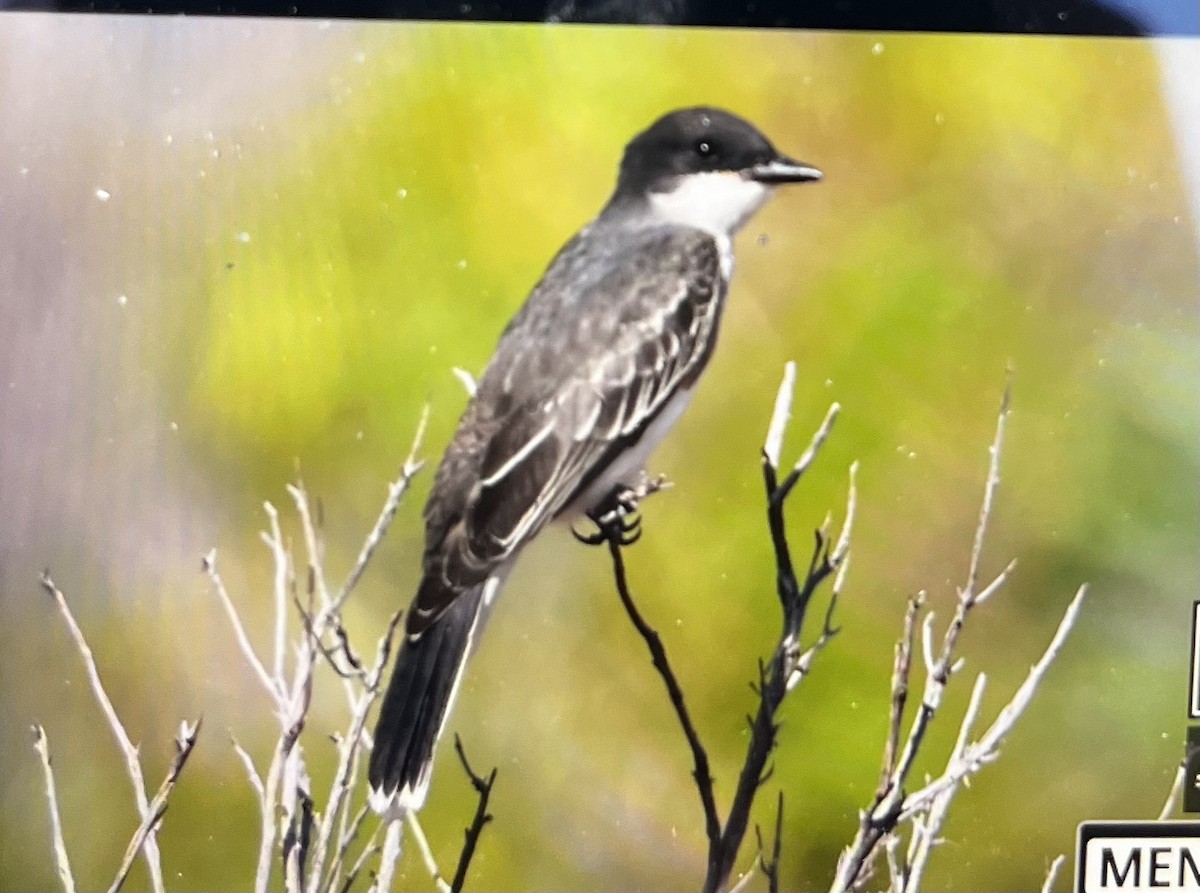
(704, 140)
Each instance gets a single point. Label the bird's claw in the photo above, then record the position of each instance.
(617, 521)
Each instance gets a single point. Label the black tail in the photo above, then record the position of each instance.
(418, 700)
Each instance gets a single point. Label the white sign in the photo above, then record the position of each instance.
(1138, 857)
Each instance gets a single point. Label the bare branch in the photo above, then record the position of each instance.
(348, 830)
(993, 587)
(901, 672)
(418, 834)
(314, 546)
(396, 491)
(1172, 802)
(251, 772)
(388, 857)
(790, 661)
(926, 808)
(185, 742)
(349, 748)
(132, 765)
(989, 496)
(282, 568)
(658, 656)
(773, 446)
(926, 836)
(360, 863)
(806, 458)
(483, 787)
(770, 867)
(239, 631)
(61, 862)
(1052, 873)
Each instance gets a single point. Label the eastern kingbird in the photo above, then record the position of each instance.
(587, 378)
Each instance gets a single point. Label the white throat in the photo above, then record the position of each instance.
(716, 202)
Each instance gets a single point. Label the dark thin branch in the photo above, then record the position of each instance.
(298, 839)
(773, 689)
(789, 662)
(770, 868)
(658, 656)
(483, 787)
(330, 656)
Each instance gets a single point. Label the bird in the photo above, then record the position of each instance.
(586, 379)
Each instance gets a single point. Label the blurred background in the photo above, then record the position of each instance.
(239, 251)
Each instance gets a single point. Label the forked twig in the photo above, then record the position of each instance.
(789, 663)
(483, 787)
(185, 743)
(133, 766)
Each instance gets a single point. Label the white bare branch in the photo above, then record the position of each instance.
(388, 857)
(239, 630)
(1052, 873)
(274, 540)
(396, 491)
(133, 765)
(61, 862)
(819, 438)
(418, 834)
(1172, 802)
(773, 446)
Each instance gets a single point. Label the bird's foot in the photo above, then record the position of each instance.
(617, 518)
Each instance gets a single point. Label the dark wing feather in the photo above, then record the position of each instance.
(591, 359)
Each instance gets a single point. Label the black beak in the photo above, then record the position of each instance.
(783, 170)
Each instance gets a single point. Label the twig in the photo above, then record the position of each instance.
(185, 742)
(770, 868)
(658, 656)
(255, 779)
(922, 842)
(782, 413)
(132, 764)
(483, 787)
(348, 830)
(989, 495)
(901, 672)
(348, 750)
(356, 869)
(418, 834)
(789, 662)
(209, 563)
(388, 856)
(61, 862)
(746, 877)
(881, 818)
(1052, 873)
(282, 568)
(1172, 802)
(927, 807)
(315, 843)
(396, 491)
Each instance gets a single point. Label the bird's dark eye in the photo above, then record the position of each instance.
(704, 148)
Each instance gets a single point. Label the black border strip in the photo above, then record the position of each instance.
(1108, 18)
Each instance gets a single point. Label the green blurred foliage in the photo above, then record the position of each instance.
(989, 204)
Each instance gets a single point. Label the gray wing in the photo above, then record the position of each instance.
(590, 361)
